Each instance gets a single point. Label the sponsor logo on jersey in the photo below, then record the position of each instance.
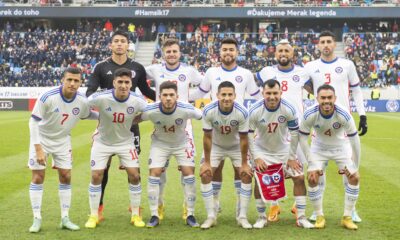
(339, 69)
(75, 111)
(317, 126)
(92, 163)
(276, 177)
(133, 74)
(158, 122)
(162, 76)
(262, 120)
(234, 123)
(216, 123)
(281, 119)
(218, 79)
(317, 71)
(130, 110)
(56, 110)
(108, 109)
(179, 121)
(336, 125)
(239, 79)
(109, 73)
(266, 179)
(182, 77)
(296, 78)
(150, 161)
(392, 106)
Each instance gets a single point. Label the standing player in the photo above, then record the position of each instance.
(243, 80)
(55, 113)
(273, 119)
(103, 76)
(292, 79)
(225, 126)
(169, 118)
(342, 75)
(335, 139)
(117, 109)
(182, 75)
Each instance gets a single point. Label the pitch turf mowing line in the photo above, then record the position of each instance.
(395, 116)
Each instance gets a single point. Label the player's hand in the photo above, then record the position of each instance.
(260, 165)
(294, 165)
(205, 170)
(246, 170)
(41, 157)
(362, 125)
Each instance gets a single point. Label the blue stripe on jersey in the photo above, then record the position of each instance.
(255, 93)
(102, 93)
(135, 94)
(241, 109)
(260, 80)
(310, 112)
(342, 112)
(49, 93)
(289, 106)
(204, 91)
(36, 117)
(256, 105)
(209, 107)
(185, 105)
(355, 85)
(151, 107)
(304, 133)
(352, 134)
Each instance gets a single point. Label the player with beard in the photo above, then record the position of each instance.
(103, 76)
(182, 75)
(292, 79)
(341, 74)
(243, 81)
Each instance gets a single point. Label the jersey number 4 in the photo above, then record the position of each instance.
(328, 132)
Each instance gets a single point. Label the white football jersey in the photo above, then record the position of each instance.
(242, 79)
(115, 116)
(272, 126)
(57, 116)
(225, 127)
(340, 74)
(291, 80)
(329, 131)
(169, 128)
(183, 75)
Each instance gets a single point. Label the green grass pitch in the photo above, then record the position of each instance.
(378, 204)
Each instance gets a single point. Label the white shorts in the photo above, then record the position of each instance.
(270, 159)
(160, 155)
(100, 154)
(61, 154)
(320, 157)
(219, 154)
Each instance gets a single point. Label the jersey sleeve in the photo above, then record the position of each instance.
(262, 75)
(252, 120)
(205, 85)
(292, 120)
(142, 104)
(195, 77)
(305, 126)
(350, 127)
(93, 101)
(195, 113)
(244, 124)
(85, 113)
(206, 122)
(150, 74)
(39, 110)
(143, 86)
(354, 80)
(252, 89)
(94, 81)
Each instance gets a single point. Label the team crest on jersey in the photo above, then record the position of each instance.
(336, 125)
(182, 77)
(281, 119)
(179, 121)
(266, 179)
(392, 106)
(130, 110)
(239, 79)
(234, 123)
(276, 177)
(133, 74)
(296, 78)
(92, 163)
(75, 111)
(339, 69)
(31, 162)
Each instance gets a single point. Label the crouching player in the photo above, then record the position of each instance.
(55, 113)
(117, 109)
(336, 138)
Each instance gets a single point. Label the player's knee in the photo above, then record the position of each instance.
(65, 177)
(37, 177)
(298, 180)
(206, 179)
(246, 179)
(354, 179)
(312, 179)
(97, 177)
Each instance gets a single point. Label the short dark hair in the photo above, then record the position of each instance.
(121, 72)
(327, 34)
(120, 33)
(169, 42)
(226, 84)
(73, 70)
(229, 41)
(168, 85)
(271, 83)
(326, 87)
